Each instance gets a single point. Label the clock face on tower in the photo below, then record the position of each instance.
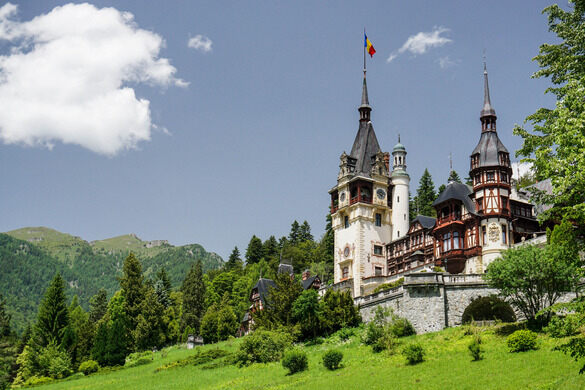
(342, 196)
(381, 193)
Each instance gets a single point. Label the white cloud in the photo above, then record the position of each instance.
(67, 78)
(446, 62)
(421, 42)
(201, 43)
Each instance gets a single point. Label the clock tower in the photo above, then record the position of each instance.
(361, 209)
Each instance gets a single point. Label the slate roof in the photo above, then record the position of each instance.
(457, 191)
(426, 222)
(284, 268)
(307, 283)
(263, 287)
(489, 147)
(365, 147)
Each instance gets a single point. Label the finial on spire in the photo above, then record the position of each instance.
(398, 137)
(487, 109)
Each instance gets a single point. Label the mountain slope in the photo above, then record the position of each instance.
(30, 257)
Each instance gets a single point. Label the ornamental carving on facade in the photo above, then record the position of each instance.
(494, 232)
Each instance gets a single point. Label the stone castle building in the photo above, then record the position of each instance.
(376, 243)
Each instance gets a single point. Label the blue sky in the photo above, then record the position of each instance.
(240, 132)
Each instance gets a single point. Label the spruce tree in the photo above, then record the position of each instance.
(425, 195)
(164, 278)
(98, 305)
(132, 284)
(270, 248)
(305, 232)
(254, 250)
(328, 241)
(234, 261)
(53, 317)
(150, 328)
(295, 231)
(4, 318)
(453, 177)
(193, 289)
(227, 322)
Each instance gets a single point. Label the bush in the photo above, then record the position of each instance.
(386, 342)
(54, 362)
(401, 327)
(295, 360)
(508, 329)
(487, 309)
(37, 381)
(89, 367)
(138, 358)
(332, 359)
(522, 340)
(262, 346)
(414, 353)
(475, 348)
(388, 286)
(139, 362)
(345, 333)
(562, 326)
(200, 358)
(372, 333)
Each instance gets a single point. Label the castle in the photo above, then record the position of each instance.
(376, 243)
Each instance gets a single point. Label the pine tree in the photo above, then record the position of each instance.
(8, 348)
(164, 278)
(4, 318)
(162, 294)
(279, 302)
(453, 177)
(227, 323)
(53, 317)
(209, 325)
(295, 231)
(425, 195)
(305, 232)
(98, 305)
(270, 248)
(132, 284)
(234, 261)
(254, 250)
(193, 289)
(150, 328)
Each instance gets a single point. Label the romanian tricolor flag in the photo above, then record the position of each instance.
(368, 45)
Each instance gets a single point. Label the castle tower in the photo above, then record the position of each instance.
(360, 208)
(490, 171)
(400, 193)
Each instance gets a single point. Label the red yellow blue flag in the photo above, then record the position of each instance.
(368, 45)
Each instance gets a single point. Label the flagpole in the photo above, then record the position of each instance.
(364, 52)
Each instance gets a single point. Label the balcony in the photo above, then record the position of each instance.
(360, 199)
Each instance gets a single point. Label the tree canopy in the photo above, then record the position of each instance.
(556, 145)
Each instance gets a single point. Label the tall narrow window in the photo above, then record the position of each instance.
(504, 234)
(483, 235)
(456, 240)
(378, 219)
(447, 242)
(346, 221)
(345, 273)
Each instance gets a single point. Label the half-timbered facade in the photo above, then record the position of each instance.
(374, 241)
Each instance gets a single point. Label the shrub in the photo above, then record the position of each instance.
(345, 333)
(401, 327)
(521, 340)
(386, 342)
(389, 286)
(54, 362)
(133, 359)
(89, 367)
(139, 362)
(332, 359)
(488, 308)
(295, 360)
(372, 333)
(508, 329)
(562, 326)
(262, 346)
(37, 381)
(414, 353)
(198, 359)
(475, 348)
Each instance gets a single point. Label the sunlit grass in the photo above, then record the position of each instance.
(447, 365)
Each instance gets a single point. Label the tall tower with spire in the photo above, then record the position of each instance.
(361, 208)
(491, 172)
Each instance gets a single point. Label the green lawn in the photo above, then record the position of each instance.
(448, 365)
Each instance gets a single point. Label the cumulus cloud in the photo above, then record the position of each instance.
(421, 42)
(67, 78)
(201, 43)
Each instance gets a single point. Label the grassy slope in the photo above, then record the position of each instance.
(448, 366)
(61, 246)
(127, 243)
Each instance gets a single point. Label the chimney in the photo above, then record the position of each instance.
(306, 274)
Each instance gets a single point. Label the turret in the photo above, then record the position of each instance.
(400, 194)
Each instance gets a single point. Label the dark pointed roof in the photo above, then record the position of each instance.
(364, 149)
(307, 283)
(487, 109)
(458, 191)
(365, 100)
(489, 147)
(263, 287)
(426, 222)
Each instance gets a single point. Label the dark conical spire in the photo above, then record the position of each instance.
(365, 108)
(487, 104)
(488, 114)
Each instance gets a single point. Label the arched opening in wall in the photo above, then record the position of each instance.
(490, 308)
